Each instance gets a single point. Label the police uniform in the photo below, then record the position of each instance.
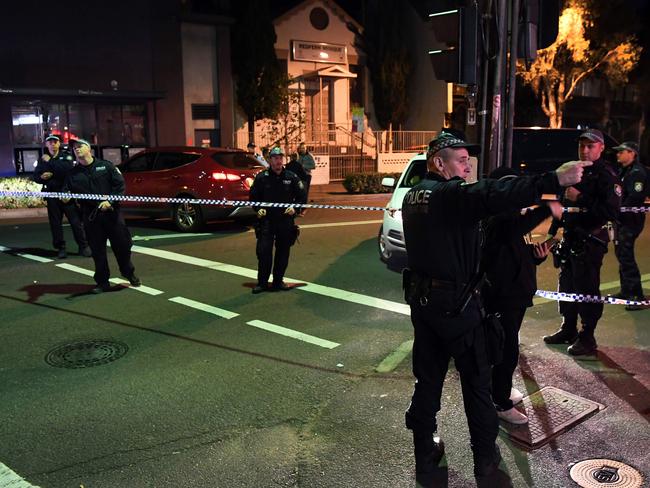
(630, 225)
(580, 254)
(276, 226)
(59, 166)
(441, 228)
(103, 178)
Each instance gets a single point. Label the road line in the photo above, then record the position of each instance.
(394, 359)
(26, 256)
(9, 479)
(226, 314)
(169, 236)
(327, 291)
(294, 334)
(117, 281)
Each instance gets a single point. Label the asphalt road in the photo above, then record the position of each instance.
(222, 388)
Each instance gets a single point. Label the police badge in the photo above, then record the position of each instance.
(618, 190)
(638, 186)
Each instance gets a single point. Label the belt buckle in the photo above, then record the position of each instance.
(424, 301)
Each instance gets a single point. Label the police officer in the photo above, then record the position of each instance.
(634, 177)
(584, 244)
(102, 219)
(50, 172)
(441, 227)
(275, 225)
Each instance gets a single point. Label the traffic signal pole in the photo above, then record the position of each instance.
(512, 82)
(498, 89)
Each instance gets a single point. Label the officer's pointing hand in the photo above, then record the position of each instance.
(570, 173)
(104, 206)
(290, 211)
(261, 213)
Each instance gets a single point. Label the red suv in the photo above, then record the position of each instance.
(189, 172)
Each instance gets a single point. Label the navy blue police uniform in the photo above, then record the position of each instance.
(276, 227)
(103, 178)
(60, 165)
(443, 241)
(630, 225)
(580, 254)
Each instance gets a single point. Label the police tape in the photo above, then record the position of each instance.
(176, 200)
(235, 203)
(582, 298)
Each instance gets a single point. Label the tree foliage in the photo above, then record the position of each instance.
(261, 84)
(386, 51)
(580, 51)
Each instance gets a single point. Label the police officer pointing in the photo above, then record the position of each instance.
(102, 219)
(275, 225)
(441, 228)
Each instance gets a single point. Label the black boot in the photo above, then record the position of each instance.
(564, 335)
(584, 345)
(485, 466)
(428, 450)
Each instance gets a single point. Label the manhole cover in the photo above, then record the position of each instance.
(85, 354)
(550, 411)
(598, 473)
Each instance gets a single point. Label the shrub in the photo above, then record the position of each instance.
(20, 184)
(367, 182)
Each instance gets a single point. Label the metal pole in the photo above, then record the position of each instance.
(486, 27)
(496, 142)
(512, 81)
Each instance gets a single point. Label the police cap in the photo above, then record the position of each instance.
(445, 140)
(52, 137)
(627, 145)
(276, 151)
(593, 135)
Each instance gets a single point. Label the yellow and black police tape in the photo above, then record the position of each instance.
(551, 295)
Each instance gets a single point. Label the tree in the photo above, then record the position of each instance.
(261, 83)
(579, 52)
(384, 45)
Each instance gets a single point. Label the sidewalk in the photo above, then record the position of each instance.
(330, 193)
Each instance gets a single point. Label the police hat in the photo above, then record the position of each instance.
(276, 151)
(627, 145)
(79, 141)
(52, 137)
(594, 135)
(445, 140)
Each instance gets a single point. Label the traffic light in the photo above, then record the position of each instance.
(457, 29)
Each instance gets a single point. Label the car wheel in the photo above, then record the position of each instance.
(187, 217)
(384, 253)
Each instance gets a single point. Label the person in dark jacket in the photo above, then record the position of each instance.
(441, 217)
(634, 179)
(584, 244)
(102, 219)
(275, 225)
(511, 282)
(50, 172)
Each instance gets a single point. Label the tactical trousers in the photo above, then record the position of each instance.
(56, 209)
(580, 273)
(433, 347)
(511, 319)
(271, 231)
(109, 225)
(627, 268)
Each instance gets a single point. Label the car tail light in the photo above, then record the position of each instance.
(223, 176)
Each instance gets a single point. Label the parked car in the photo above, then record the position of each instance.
(535, 150)
(189, 172)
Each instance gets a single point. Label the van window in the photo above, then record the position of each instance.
(143, 162)
(171, 160)
(415, 173)
(236, 160)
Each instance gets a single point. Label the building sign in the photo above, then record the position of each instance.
(319, 52)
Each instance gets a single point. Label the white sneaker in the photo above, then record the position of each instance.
(516, 396)
(513, 416)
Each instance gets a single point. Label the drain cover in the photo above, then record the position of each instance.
(550, 411)
(85, 354)
(597, 473)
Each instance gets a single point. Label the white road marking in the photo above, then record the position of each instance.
(9, 479)
(169, 236)
(327, 291)
(117, 281)
(27, 256)
(335, 224)
(294, 334)
(226, 314)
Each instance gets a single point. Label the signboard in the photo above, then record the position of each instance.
(319, 52)
(357, 119)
